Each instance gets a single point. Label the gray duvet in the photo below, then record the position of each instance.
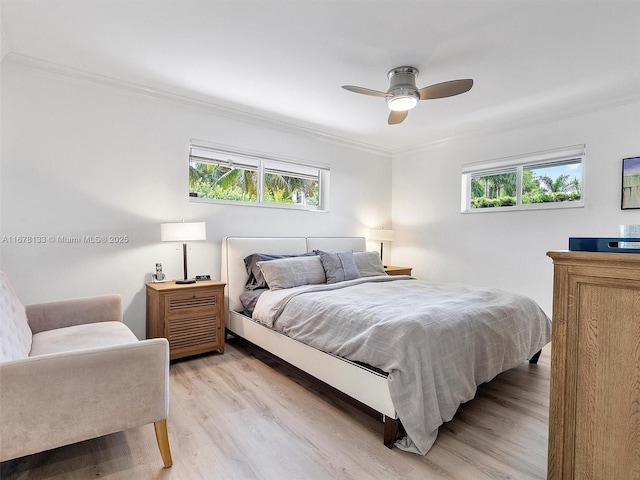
(438, 342)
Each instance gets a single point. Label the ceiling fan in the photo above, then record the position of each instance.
(403, 94)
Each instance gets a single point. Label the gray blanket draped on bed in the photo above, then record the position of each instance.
(438, 342)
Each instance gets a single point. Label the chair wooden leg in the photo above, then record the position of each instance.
(162, 436)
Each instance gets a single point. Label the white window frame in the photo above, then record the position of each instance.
(519, 163)
(262, 163)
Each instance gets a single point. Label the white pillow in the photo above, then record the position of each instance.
(293, 272)
(369, 264)
(15, 334)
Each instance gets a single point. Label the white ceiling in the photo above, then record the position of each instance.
(531, 60)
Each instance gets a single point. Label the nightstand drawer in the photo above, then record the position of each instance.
(190, 305)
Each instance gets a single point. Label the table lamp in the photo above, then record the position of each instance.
(382, 236)
(183, 232)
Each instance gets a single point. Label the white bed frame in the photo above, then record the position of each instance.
(366, 386)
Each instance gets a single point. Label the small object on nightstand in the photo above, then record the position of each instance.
(202, 277)
(395, 270)
(159, 277)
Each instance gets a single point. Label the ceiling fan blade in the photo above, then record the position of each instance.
(397, 117)
(445, 89)
(364, 91)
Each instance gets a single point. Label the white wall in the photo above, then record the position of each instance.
(82, 158)
(507, 249)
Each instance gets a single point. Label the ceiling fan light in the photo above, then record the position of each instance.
(402, 103)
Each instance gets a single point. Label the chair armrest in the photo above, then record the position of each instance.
(66, 313)
(57, 399)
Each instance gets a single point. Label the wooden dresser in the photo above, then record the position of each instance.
(190, 316)
(594, 410)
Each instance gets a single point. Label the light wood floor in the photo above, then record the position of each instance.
(234, 416)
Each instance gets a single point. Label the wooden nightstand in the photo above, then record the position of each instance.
(394, 270)
(190, 316)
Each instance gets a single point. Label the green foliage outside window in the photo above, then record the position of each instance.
(494, 189)
(221, 182)
(290, 189)
(498, 189)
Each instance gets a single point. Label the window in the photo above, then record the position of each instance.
(254, 179)
(550, 179)
(494, 189)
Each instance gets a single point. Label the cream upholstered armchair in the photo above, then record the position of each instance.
(71, 371)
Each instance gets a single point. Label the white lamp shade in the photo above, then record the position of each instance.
(382, 235)
(183, 232)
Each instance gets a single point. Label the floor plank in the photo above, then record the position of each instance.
(239, 416)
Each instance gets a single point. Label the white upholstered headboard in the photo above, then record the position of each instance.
(234, 249)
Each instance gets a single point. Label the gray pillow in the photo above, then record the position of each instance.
(256, 280)
(338, 266)
(369, 264)
(292, 272)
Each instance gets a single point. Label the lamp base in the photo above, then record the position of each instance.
(185, 282)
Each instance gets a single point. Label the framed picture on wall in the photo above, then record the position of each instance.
(630, 183)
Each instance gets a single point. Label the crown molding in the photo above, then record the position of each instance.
(509, 124)
(262, 120)
(462, 132)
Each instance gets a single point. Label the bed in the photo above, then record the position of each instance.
(419, 381)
